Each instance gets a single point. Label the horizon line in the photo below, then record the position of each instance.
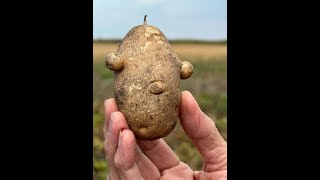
(173, 40)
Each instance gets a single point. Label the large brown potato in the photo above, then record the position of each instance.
(147, 81)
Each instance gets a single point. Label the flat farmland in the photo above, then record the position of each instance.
(191, 51)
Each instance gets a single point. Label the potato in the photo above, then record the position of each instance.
(147, 81)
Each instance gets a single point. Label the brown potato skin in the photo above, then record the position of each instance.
(147, 88)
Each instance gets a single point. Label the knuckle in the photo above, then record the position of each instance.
(117, 163)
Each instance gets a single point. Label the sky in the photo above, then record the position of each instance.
(177, 19)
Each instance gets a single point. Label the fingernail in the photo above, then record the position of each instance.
(105, 103)
(111, 120)
(120, 138)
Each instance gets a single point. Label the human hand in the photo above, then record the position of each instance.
(130, 158)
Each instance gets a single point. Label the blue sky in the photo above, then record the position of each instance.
(177, 19)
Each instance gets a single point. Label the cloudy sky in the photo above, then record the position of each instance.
(177, 19)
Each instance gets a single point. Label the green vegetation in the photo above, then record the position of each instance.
(208, 84)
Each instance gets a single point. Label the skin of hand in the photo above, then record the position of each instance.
(130, 158)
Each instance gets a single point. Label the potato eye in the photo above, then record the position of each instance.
(157, 87)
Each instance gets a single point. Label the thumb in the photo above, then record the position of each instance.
(203, 132)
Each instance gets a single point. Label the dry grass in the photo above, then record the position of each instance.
(100, 50)
(195, 52)
(186, 51)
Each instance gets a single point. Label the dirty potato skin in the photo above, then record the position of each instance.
(147, 81)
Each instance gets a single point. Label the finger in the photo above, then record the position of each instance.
(117, 123)
(125, 156)
(159, 153)
(147, 168)
(203, 133)
(149, 171)
(109, 107)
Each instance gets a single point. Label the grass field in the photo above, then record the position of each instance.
(188, 51)
(208, 84)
